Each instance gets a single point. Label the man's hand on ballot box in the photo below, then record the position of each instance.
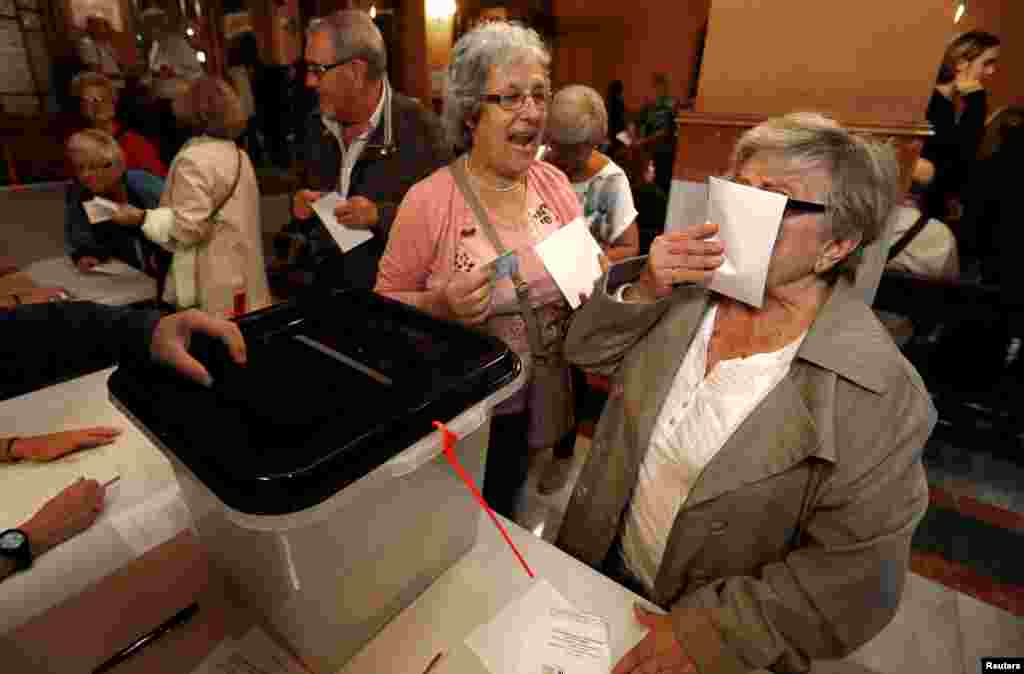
(173, 334)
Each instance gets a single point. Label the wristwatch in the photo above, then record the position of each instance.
(14, 546)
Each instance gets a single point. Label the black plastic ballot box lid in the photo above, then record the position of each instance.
(334, 387)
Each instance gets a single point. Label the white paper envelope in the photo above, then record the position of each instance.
(748, 221)
(346, 237)
(571, 257)
(99, 209)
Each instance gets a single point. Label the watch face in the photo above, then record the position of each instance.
(11, 540)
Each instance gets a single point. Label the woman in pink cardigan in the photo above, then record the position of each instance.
(437, 257)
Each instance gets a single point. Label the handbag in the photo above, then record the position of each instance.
(550, 401)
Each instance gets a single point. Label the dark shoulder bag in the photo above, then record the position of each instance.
(550, 395)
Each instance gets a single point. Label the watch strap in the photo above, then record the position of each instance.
(21, 555)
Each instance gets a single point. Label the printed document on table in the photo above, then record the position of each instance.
(566, 642)
(571, 255)
(346, 237)
(542, 633)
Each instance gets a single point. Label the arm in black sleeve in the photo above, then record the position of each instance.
(971, 126)
(43, 343)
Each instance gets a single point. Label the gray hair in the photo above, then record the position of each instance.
(495, 44)
(354, 36)
(578, 115)
(863, 174)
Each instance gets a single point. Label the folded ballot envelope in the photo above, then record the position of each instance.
(748, 221)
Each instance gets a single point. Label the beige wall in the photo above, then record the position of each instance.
(603, 40)
(870, 61)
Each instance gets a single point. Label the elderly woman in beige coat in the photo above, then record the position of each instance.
(756, 471)
(209, 215)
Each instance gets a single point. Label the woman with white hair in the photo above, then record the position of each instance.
(98, 167)
(757, 470)
(577, 125)
(442, 255)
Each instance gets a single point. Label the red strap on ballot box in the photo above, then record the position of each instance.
(448, 441)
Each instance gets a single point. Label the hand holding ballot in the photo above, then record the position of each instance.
(357, 213)
(659, 651)
(682, 256)
(468, 296)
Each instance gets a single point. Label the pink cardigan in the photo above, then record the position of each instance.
(435, 236)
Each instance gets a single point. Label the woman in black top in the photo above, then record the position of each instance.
(957, 111)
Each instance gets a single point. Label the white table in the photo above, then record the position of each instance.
(129, 287)
(475, 589)
(104, 547)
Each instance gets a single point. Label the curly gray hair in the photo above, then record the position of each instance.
(578, 115)
(863, 174)
(354, 35)
(494, 44)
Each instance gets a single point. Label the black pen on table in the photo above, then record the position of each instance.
(179, 618)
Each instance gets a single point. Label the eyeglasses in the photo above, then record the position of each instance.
(793, 206)
(94, 99)
(798, 206)
(321, 69)
(515, 102)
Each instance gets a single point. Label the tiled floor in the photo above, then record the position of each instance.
(937, 630)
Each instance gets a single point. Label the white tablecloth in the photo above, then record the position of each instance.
(126, 288)
(143, 508)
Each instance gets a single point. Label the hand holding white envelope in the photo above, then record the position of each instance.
(748, 220)
(347, 238)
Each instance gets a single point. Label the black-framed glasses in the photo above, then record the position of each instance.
(792, 205)
(321, 69)
(799, 206)
(516, 101)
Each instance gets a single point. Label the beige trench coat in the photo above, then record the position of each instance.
(794, 541)
(218, 256)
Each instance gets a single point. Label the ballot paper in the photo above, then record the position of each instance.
(254, 652)
(347, 238)
(114, 268)
(571, 255)
(748, 221)
(566, 642)
(99, 209)
(542, 633)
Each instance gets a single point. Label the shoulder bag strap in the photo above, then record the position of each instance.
(458, 169)
(908, 236)
(234, 186)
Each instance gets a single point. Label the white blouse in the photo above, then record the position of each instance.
(698, 417)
